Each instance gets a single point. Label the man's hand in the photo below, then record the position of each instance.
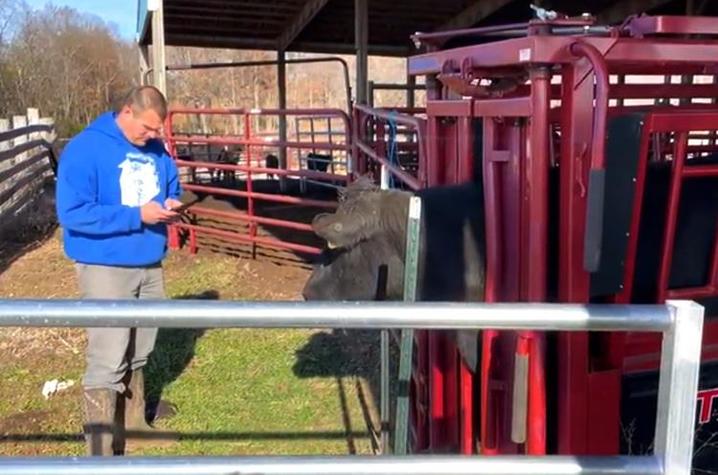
(171, 203)
(153, 213)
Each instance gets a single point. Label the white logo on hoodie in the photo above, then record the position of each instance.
(139, 180)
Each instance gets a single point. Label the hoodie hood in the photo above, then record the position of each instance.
(106, 124)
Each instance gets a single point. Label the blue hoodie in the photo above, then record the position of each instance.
(102, 181)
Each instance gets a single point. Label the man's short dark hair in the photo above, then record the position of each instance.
(143, 98)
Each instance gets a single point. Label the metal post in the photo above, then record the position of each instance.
(384, 183)
(158, 45)
(361, 36)
(678, 385)
(385, 392)
(282, 90)
(411, 279)
(384, 377)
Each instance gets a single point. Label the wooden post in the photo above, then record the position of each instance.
(4, 145)
(159, 70)
(33, 118)
(18, 122)
(50, 138)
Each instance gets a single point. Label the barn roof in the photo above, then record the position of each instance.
(327, 26)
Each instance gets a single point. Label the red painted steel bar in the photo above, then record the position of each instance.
(409, 180)
(600, 114)
(262, 170)
(201, 211)
(242, 238)
(534, 257)
(669, 235)
(257, 143)
(259, 196)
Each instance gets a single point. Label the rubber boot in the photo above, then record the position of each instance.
(138, 432)
(100, 428)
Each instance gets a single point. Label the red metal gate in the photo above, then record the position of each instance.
(244, 156)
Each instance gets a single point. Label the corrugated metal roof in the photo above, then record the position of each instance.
(266, 24)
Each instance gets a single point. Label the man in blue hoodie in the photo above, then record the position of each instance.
(116, 188)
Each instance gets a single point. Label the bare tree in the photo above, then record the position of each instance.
(68, 64)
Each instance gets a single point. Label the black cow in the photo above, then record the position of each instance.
(366, 237)
(368, 233)
(271, 161)
(318, 161)
(315, 162)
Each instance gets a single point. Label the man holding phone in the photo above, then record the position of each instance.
(117, 189)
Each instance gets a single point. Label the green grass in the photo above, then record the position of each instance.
(241, 394)
(237, 391)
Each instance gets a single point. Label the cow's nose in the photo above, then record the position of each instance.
(307, 293)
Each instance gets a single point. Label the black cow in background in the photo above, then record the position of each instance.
(318, 162)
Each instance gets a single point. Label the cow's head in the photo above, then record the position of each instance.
(365, 245)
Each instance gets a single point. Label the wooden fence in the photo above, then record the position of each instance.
(27, 160)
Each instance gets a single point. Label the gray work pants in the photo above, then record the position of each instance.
(111, 352)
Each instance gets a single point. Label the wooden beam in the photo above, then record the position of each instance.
(179, 19)
(234, 5)
(227, 31)
(474, 13)
(217, 41)
(210, 13)
(624, 8)
(299, 22)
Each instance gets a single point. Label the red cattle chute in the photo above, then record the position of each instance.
(524, 101)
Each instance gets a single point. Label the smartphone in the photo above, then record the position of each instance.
(184, 206)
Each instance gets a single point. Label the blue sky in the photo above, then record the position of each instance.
(123, 13)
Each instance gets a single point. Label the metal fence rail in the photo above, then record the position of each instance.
(420, 315)
(681, 323)
(354, 465)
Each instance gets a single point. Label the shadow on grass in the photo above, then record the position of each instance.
(340, 354)
(173, 352)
